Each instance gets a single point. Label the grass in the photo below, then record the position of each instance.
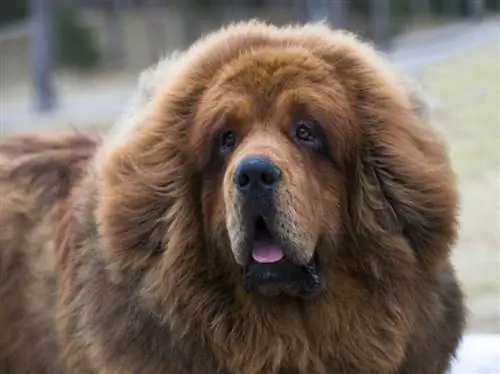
(467, 90)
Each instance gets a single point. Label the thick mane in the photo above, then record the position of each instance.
(273, 201)
(147, 146)
(48, 164)
(38, 173)
(142, 226)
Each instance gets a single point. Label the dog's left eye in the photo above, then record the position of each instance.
(304, 131)
(228, 140)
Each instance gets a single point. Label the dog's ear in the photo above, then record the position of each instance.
(407, 181)
(412, 198)
(384, 203)
(145, 194)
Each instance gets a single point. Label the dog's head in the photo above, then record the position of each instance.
(284, 154)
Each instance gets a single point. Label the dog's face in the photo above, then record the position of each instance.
(294, 156)
(292, 161)
(271, 129)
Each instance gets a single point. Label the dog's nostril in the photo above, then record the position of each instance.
(268, 178)
(243, 180)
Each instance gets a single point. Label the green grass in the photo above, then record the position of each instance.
(467, 92)
(468, 88)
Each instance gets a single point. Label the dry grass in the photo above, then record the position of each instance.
(467, 90)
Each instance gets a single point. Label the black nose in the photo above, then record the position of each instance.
(256, 173)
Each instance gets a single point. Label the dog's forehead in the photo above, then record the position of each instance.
(259, 85)
(266, 90)
(267, 72)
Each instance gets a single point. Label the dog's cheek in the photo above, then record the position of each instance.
(229, 196)
(296, 207)
(231, 215)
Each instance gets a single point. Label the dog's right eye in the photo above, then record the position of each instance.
(304, 132)
(228, 141)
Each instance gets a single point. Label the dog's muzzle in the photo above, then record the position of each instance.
(269, 271)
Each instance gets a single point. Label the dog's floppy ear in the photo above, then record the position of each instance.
(385, 207)
(411, 186)
(379, 175)
(145, 194)
(144, 181)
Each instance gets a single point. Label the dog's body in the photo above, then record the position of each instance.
(132, 255)
(37, 174)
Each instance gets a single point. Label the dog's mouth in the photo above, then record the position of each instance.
(265, 249)
(270, 273)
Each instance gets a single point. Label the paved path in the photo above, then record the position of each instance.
(418, 50)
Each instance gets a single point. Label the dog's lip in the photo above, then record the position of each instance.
(309, 287)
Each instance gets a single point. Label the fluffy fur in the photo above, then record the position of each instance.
(124, 256)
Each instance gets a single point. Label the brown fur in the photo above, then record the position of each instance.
(141, 275)
(37, 174)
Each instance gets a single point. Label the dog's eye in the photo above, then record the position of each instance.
(228, 140)
(304, 131)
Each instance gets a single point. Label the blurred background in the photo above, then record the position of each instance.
(74, 63)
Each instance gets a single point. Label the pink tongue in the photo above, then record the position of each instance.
(267, 252)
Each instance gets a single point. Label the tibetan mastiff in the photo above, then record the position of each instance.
(273, 201)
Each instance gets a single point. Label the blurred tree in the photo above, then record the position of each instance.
(340, 14)
(380, 16)
(419, 8)
(476, 9)
(116, 43)
(13, 10)
(451, 7)
(239, 9)
(155, 28)
(316, 10)
(76, 44)
(192, 27)
(42, 43)
(493, 5)
(297, 8)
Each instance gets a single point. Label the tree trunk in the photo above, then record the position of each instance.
(192, 24)
(381, 15)
(420, 8)
(238, 9)
(340, 14)
(155, 28)
(299, 10)
(116, 43)
(451, 8)
(235, 10)
(476, 9)
(316, 10)
(42, 54)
